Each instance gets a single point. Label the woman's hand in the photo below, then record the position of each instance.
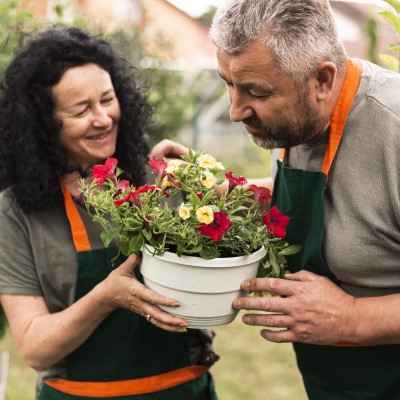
(167, 150)
(45, 338)
(122, 289)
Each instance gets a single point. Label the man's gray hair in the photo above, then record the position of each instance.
(300, 33)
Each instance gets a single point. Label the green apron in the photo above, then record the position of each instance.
(343, 371)
(126, 357)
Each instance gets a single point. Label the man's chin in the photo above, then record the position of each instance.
(262, 142)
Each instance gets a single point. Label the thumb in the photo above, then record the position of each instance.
(129, 264)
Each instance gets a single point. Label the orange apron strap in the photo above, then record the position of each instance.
(129, 387)
(339, 115)
(79, 234)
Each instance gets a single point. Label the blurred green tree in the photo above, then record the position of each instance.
(393, 19)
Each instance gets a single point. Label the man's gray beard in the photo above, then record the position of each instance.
(265, 143)
(312, 125)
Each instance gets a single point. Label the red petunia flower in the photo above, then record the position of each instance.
(235, 181)
(217, 228)
(146, 188)
(260, 194)
(173, 181)
(159, 167)
(133, 196)
(101, 173)
(276, 222)
(123, 185)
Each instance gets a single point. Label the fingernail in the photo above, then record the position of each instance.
(245, 285)
(182, 330)
(235, 304)
(175, 304)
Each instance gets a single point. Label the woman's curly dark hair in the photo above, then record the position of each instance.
(32, 159)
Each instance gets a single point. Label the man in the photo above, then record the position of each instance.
(292, 85)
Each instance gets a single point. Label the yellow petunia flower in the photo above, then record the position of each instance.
(205, 215)
(172, 166)
(208, 181)
(184, 212)
(207, 161)
(165, 182)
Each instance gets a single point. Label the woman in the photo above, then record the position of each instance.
(68, 102)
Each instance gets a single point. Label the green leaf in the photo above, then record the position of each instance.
(106, 238)
(135, 244)
(209, 253)
(148, 235)
(392, 19)
(274, 262)
(391, 62)
(395, 4)
(195, 249)
(124, 247)
(289, 250)
(394, 47)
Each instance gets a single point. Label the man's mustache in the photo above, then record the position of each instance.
(254, 122)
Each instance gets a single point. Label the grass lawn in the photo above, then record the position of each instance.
(250, 368)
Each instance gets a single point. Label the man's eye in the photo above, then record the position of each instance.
(257, 96)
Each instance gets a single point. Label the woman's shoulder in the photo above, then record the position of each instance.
(7, 203)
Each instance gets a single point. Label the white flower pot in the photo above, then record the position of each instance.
(204, 288)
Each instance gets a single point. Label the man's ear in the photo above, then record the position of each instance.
(325, 80)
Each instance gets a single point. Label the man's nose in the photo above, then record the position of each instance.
(240, 110)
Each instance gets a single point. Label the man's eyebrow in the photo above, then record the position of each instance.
(246, 85)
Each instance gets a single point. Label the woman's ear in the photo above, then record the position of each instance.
(325, 80)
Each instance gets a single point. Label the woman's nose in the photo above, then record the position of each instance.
(101, 118)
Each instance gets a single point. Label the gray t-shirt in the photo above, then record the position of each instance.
(362, 200)
(37, 254)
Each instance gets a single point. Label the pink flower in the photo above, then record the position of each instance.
(103, 172)
(217, 228)
(260, 194)
(158, 166)
(276, 222)
(235, 181)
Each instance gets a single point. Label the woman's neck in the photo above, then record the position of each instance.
(72, 182)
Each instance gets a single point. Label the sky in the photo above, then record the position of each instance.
(196, 8)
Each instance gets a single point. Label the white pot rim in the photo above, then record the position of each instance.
(215, 262)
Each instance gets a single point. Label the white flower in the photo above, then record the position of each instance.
(205, 215)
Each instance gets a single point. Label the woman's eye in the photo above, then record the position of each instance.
(80, 113)
(108, 100)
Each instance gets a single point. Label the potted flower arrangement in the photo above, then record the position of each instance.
(226, 232)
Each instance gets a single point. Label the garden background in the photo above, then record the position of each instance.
(191, 106)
